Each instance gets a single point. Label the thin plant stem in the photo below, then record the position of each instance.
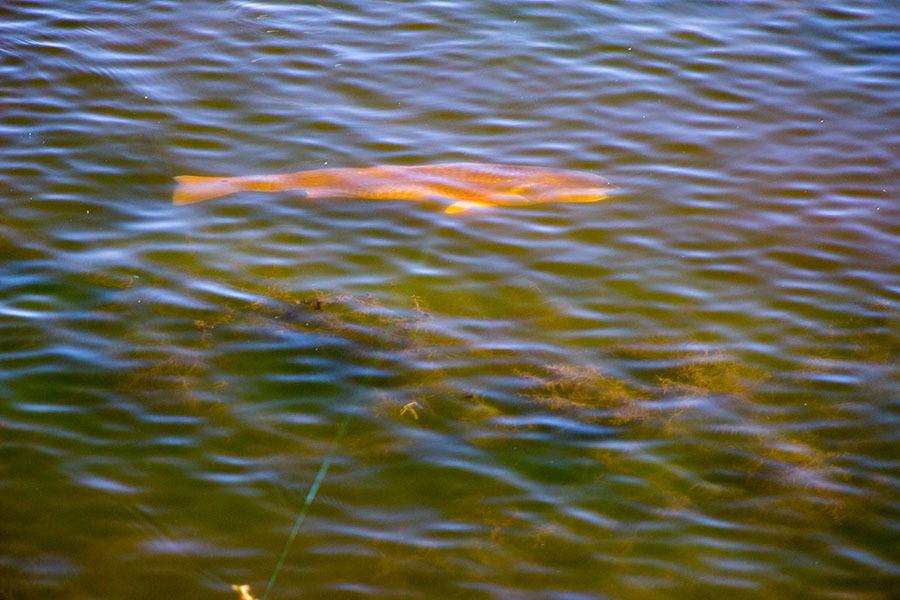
(310, 496)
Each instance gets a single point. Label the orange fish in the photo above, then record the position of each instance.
(460, 185)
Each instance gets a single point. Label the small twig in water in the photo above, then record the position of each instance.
(410, 407)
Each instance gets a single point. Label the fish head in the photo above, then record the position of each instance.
(563, 186)
(573, 194)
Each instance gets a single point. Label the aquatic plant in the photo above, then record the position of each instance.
(244, 590)
(712, 374)
(165, 379)
(479, 409)
(585, 391)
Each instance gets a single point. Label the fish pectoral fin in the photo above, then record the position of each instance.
(463, 205)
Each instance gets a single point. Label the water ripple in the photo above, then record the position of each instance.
(686, 390)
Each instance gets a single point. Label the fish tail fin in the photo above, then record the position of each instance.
(190, 188)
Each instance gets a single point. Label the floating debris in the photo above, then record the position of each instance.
(410, 407)
(244, 591)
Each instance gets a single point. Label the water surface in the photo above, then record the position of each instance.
(687, 391)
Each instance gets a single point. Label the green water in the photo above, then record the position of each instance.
(687, 391)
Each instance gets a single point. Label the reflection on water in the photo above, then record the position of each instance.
(688, 391)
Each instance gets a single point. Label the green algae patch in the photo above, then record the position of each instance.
(712, 376)
(585, 392)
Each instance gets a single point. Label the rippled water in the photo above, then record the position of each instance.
(687, 391)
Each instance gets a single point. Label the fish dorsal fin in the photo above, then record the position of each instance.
(462, 206)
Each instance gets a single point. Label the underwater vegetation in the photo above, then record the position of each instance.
(712, 418)
(583, 392)
(706, 397)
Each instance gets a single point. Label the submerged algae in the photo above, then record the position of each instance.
(585, 392)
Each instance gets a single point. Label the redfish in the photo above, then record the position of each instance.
(460, 186)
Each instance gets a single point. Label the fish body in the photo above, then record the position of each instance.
(461, 185)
